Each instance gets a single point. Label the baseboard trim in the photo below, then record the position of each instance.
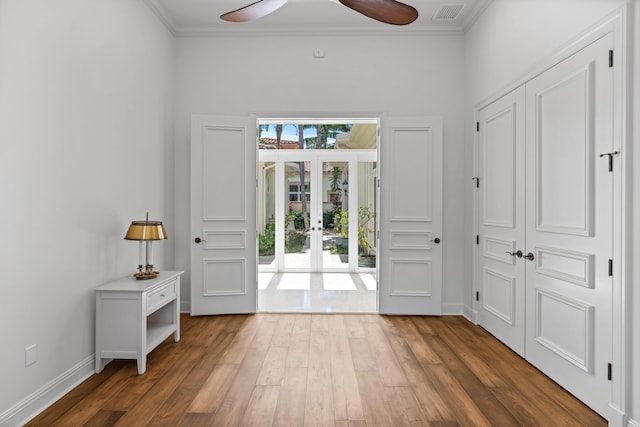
(25, 410)
(470, 314)
(633, 423)
(185, 306)
(451, 308)
(615, 417)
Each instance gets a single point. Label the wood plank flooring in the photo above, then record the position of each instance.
(323, 370)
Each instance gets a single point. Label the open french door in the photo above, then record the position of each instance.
(410, 261)
(223, 204)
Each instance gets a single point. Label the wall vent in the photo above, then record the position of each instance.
(448, 12)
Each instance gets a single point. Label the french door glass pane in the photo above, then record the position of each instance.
(297, 185)
(266, 214)
(367, 237)
(335, 215)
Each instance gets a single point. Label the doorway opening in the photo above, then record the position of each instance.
(317, 207)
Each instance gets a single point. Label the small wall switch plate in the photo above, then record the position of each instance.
(30, 355)
(318, 53)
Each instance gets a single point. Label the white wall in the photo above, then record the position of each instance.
(85, 147)
(393, 75)
(634, 278)
(511, 39)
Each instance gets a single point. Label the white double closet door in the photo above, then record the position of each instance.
(545, 222)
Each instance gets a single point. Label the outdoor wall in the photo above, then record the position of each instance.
(85, 147)
(396, 75)
(509, 40)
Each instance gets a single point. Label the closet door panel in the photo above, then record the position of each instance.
(564, 142)
(569, 223)
(501, 170)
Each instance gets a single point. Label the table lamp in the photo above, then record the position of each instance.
(146, 232)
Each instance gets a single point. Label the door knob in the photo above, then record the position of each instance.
(517, 253)
(436, 240)
(198, 240)
(529, 256)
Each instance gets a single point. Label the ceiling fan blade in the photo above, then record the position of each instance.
(253, 11)
(387, 11)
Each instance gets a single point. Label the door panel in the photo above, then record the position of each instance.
(569, 223)
(564, 194)
(411, 215)
(501, 170)
(223, 263)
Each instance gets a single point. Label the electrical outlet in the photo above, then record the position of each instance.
(30, 355)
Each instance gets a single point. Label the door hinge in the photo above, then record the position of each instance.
(477, 296)
(610, 58)
(477, 180)
(609, 371)
(477, 239)
(610, 267)
(610, 158)
(477, 126)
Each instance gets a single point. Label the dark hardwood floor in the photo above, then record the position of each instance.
(323, 370)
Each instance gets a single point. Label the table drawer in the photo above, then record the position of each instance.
(161, 296)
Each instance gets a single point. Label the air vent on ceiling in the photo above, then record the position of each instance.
(448, 12)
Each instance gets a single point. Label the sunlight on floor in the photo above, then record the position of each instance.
(338, 282)
(295, 281)
(369, 281)
(264, 279)
(317, 292)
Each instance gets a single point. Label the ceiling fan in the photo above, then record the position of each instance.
(387, 11)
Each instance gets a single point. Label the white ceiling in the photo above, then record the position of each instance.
(203, 16)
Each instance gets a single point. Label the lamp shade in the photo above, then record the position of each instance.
(146, 230)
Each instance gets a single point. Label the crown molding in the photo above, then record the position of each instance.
(311, 32)
(163, 16)
(441, 30)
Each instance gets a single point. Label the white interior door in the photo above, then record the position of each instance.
(501, 228)
(410, 259)
(569, 223)
(223, 209)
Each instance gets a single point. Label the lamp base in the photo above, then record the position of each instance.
(146, 275)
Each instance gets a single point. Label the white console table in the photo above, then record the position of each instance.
(134, 316)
